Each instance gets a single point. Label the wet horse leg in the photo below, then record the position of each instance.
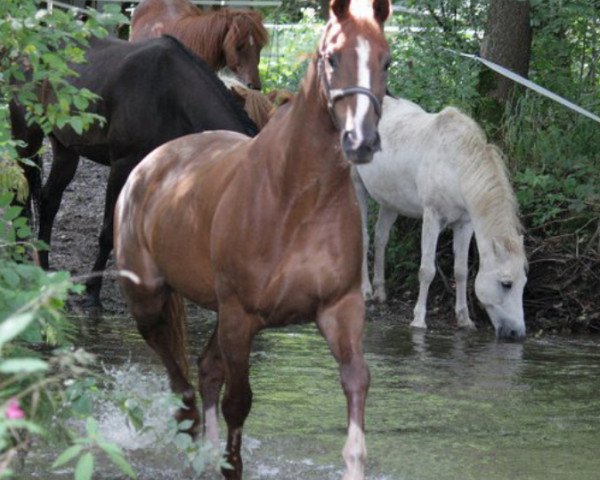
(62, 171)
(430, 231)
(211, 378)
(160, 319)
(119, 171)
(385, 221)
(362, 197)
(342, 327)
(236, 329)
(462, 233)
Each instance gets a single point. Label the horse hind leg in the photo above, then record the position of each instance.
(211, 376)
(32, 137)
(160, 317)
(430, 232)
(62, 171)
(462, 233)
(385, 221)
(119, 171)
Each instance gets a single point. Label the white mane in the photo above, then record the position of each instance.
(484, 177)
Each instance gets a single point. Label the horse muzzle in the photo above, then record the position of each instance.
(508, 331)
(360, 148)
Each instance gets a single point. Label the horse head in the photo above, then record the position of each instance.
(352, 64)
(245, 38)
(499, 286)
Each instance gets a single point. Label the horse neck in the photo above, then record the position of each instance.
(313, 156)
(490, 201)
(195, 32)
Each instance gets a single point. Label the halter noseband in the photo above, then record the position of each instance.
(334, 94)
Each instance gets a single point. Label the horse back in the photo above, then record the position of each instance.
(151, 93)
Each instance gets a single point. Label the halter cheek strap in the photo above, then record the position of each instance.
(334, 94)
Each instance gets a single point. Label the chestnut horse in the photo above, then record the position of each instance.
(265, 231)
(223, 38)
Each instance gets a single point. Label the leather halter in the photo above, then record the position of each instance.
(334, 94)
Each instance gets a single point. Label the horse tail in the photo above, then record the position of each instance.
(174, 312)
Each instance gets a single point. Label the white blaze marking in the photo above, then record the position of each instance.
(355, 452)
(251, 40)
(363, 50)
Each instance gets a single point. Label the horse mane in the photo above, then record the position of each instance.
(219, 87)
(485, 183)
(205, 33)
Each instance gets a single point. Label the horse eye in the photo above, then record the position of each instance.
(333, 63)
(506, 285)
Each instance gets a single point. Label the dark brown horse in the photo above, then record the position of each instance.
(266, 231)
(151, 93)
(224, 38)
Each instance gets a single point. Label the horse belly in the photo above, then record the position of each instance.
(391, 181)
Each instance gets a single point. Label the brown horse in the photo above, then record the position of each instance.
(266, 231)
(224, 38)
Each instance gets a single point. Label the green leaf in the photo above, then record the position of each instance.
(23, 365)
(85, 467)
(91, 427)
(5, 199)
(77, 124)
(12, 212)
(13, 326)
(68, 455)
(121, 463)
(80, 102)
(11, 277)
(183, 441)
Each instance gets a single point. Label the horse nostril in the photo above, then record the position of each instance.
(376, 144)
(349, 141)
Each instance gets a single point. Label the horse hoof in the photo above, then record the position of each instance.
(418, 324)
(467, 325)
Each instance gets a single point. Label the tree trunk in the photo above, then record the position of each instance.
(507, 42)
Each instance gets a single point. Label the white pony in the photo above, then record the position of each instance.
(439, 167)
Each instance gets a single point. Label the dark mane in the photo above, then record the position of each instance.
(219, 87)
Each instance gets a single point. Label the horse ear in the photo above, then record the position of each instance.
(500, 250)
(340, 8)
(381, 10)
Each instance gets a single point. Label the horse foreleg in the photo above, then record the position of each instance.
(462, 233)
(236, 330)
(211, 378)
(119, 172)
(62, 171)
(362, 197)
(430, 231)
(342, 327)
(385, 220)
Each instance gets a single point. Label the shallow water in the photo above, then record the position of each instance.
(442, 405)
